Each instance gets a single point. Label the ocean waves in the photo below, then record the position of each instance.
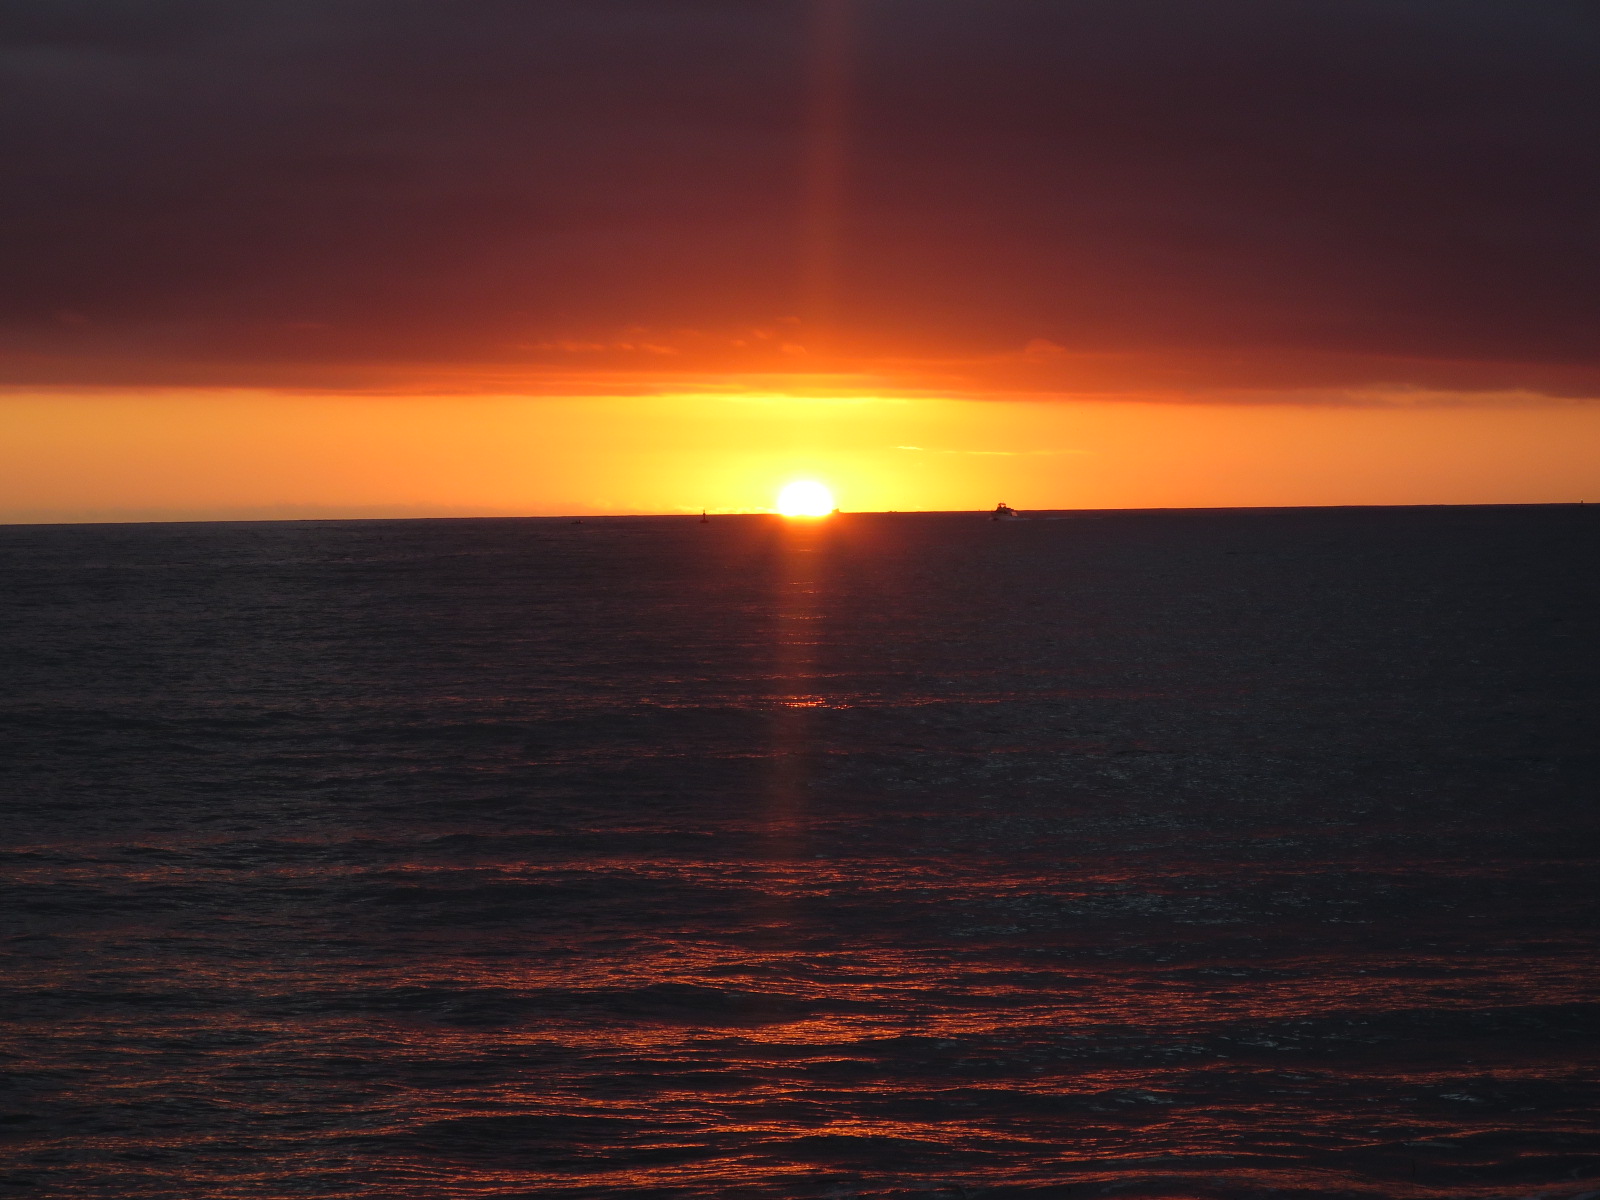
(1192, 855)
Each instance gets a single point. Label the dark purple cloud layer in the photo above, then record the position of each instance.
(277, 188)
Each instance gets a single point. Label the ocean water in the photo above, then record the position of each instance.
(1183, 854)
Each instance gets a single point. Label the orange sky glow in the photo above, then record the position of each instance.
(197, 454)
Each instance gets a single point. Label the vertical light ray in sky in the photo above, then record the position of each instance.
(826, 163)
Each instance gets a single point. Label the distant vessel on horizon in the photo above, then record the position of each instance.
(1004, 512)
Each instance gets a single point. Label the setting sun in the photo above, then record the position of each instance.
(805, 498)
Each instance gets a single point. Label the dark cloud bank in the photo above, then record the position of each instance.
(1212, 193)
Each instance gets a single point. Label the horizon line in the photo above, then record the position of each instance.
(580, 517)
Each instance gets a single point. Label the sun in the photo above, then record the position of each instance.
(805, 498)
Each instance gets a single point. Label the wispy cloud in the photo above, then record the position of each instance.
(989, 453)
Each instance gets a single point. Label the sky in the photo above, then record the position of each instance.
(408, 257)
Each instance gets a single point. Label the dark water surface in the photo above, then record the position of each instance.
(1153, 854)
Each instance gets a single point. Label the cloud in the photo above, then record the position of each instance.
(991, 453)
(1104, 196)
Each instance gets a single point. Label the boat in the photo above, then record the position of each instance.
(1004, 512)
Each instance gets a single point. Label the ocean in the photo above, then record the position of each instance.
(1151, 854)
